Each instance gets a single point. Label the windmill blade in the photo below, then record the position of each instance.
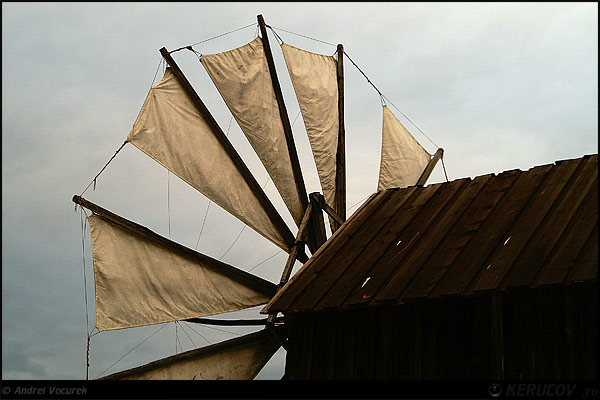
(176, 130)
(403, 159)
(239, 358)
(242, 78)
(314, 78)
(143, 278)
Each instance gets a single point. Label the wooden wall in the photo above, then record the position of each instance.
(550, 332)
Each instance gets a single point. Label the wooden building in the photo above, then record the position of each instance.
(487, 278)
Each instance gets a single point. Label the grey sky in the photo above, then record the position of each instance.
(498, 85)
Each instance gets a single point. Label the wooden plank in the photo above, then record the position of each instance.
(370, 244)
(335, 267)
(287, 127)
(340, 164)
(564, 263)
(299, 283)
(466, 229)
(236, 274)
(318, 348)
(496, 348)
(483, 363)
(558, 223)
(430, 166)
(425, 274)
(407, 251)
(492, 231)
(586, 265)
(345, 347)
(307, 349)
(520, 233)
(270, 210)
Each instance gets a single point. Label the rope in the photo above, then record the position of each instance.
(208, 341)
(155, 332)
(262, 262)
(382, 97)
(297, 34)
(215, 37)
(103, 168)
(194, 344)
(203, 222)
(87, 314)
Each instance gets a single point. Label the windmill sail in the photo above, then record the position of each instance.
(239, 358)
(243, 80)
(403, 159)
(143, 278)
(171, 130)
(314, 78)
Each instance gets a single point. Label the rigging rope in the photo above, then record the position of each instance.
(215, 37)
(184, 331)
(208, 341)
(155, 332)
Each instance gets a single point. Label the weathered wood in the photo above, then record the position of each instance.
(316, 235)
(231, 322)
(234, 273)
(329, 210)
(503, 258)
(327, 290)
(327, 253)
(270, 210)
(395, 265)
(340, 165)
(287, 127)
(497, 337)
(482, 207)
(492, 231)
(568, 208)
(298, 243)
(429, 168)
(433, 240)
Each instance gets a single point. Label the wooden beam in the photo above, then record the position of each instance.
(231, 322)
(272, 213)
(329, 210)
(287, 270)
(340, 166)
(287, 127)
(239, 275)
(316, 235)
(429, 168)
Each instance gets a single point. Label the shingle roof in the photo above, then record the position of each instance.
(492, 232)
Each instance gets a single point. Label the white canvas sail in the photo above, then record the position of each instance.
(236, 359)
(140, 281)
(170, 130)
(314, 78)
(403, 159)
(243, 80)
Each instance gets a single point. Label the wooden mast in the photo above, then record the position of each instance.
(313, 228)
(239, 163)
(429, 168)
(340, 166)
(239, 275)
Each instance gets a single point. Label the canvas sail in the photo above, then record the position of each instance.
(243, 80)
(144, 278)
(171, 130)
(403, 159)
(240, 359)
(314, 78)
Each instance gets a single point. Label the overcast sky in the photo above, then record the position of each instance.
(498, 86)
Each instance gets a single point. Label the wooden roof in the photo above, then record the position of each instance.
(493, 232)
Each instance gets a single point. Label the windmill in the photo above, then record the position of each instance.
(142, 278)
